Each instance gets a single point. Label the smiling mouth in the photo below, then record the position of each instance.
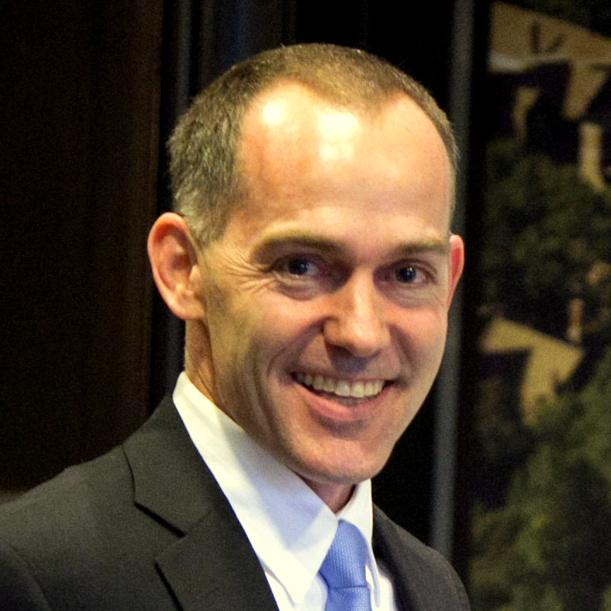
(336, 388)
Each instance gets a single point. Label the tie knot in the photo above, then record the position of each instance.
(344, 565)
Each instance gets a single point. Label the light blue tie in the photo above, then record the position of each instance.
(343, 570)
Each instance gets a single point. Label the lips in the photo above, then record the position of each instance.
(355, 389)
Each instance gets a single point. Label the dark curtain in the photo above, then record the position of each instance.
(77, 187)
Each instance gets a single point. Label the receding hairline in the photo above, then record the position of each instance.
(206, 179)
(367, 106)
(368, 109)
(374, 103)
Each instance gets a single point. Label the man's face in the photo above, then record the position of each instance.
(326, 298)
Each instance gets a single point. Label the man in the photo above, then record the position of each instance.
(312, 260)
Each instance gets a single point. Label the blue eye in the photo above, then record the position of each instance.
(406, 274)
(299, 267)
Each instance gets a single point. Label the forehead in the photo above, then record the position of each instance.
(286, 108)
(299, 150)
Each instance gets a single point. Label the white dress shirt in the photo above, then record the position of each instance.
(289, 527)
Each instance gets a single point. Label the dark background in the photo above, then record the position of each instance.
(91, 91)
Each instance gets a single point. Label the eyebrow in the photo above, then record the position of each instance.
(327, 245)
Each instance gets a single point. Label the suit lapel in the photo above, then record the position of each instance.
(423, 580)
(397, 559)
(211, 565)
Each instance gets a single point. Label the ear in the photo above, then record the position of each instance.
(457, 263)
(175, 266)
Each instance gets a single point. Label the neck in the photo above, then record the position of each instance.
(335, 496)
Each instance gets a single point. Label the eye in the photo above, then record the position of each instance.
(409, 274)
(300, 276)
(299, 267)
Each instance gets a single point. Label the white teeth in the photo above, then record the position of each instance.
(342, 388)
(358, 390)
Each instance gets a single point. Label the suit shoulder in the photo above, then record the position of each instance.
(54, 509)
(75, 541)
(19, 590)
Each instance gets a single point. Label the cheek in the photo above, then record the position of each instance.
(284, 322)
(233, 328)
(424, 333)
(251, 334)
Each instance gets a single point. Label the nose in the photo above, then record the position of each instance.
(356, 320)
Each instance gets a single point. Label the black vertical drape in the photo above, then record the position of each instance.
(77, 192)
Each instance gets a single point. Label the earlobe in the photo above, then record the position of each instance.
(457, 262)
(175, 266)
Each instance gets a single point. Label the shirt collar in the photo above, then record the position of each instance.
(289, 527)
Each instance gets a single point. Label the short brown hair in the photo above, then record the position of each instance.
(205, 180)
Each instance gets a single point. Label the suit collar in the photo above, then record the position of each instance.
(211, 565)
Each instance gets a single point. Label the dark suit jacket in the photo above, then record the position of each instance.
(147, 527)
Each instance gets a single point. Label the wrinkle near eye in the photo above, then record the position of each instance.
(224, 269)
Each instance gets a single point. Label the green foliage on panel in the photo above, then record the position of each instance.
(548, 547)
(543, 512)
(594, 15)
(545, 241)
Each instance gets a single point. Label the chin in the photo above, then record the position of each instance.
(347, 470)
